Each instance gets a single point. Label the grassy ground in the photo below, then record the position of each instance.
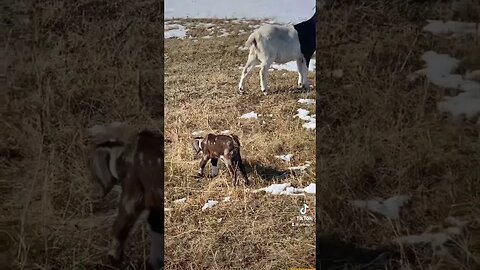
(67, 65)
(253, 231)
(384, 136)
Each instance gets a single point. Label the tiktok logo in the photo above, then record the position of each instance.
(305, 209)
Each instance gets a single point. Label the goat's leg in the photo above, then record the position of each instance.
(300, 64)
(247, 71)
(214, 162)
(157, 230)
(306, 85)
(263, 76)
(243, 171)
(301, 73)
(129, 210)
(203, 163)
(228, 163)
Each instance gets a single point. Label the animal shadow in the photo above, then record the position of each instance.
(337, 254)
(268, 174)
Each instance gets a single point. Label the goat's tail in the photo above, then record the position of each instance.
(251, 40)
(113, 132)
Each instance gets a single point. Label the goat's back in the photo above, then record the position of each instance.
(278, 42)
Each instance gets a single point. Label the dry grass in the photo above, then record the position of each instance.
(69, 65)
(384, 137)
(253, 231)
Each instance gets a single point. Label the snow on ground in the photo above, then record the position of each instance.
(311, 120)
(286, 157)
(303, 114)
(292, 66)
(287, 189)
(180, 201)
(436, 240)
(301, 167)
(450, 28)
(306, 101)
(280, 11)
(439, 69)
(209, 204)
(389, 208)
(175, 31)
(198, 133)
(249, 115)
(464, 104)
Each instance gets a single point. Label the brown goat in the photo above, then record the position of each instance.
(137, 165)
(224, 147)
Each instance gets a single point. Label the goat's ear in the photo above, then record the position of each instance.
(100, 170)
(196, 145)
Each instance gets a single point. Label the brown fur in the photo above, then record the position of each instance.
(225, 147)
(140, 174)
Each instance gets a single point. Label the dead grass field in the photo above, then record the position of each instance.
(253, 231)
(384, 136)
(67, 65)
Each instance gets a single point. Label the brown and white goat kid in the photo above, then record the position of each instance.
(224, 147)
(136, 164)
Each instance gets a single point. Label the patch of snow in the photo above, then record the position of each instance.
(249, 115)
(226, 131)
(287, 189)
(311, 120)
(436, 240)
(198, 133)
(292, 66)
(464, 104)
(180, 201)
(439, 68)
(306, 101)
(226, 199)
(175, 31)
(311, 124)
(300, 168)
(209, 204)
(243, 48)
(286, 157)
(207, 37)
(303, 114)
(452, 28)
(276, 188)
(312, 188)
(205, 25)
(389, 208)
(281, 11)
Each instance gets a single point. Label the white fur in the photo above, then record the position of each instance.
(214, 170)
(115, 152)
(275, 44)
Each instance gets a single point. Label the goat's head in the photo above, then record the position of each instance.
(197, 144)
(109, 147)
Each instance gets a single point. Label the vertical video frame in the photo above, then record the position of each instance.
(240, 164)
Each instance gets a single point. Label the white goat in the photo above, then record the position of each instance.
(280, 44)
